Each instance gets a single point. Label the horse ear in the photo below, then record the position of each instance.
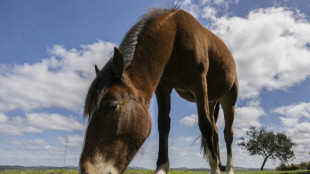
(118, 62)
(97, 70)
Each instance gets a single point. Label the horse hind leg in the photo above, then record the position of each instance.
(228, 104)
(207, 125)
(163, 99)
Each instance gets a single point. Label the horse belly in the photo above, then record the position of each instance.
(215, 91)
(182, 84)
(219, 81)
(185, 94)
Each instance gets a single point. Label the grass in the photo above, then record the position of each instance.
(200, 172)
(53, 171)
(63, 171)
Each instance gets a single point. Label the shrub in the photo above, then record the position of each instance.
(280, 167)
(293, 167)
(283, 167)
(303, 165)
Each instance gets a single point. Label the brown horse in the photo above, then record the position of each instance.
(165, 50)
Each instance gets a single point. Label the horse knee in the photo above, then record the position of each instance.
(229, 134)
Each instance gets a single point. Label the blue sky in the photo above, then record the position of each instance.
(48, 49)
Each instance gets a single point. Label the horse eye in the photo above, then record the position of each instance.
(112, 106)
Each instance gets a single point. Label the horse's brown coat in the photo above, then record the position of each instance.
(173, 51)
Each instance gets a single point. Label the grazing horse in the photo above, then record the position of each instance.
(167, 49)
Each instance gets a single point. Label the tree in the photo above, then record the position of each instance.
(267, 144)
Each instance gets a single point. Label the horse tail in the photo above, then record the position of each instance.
(216, 116)
(216, 111)
(204, 144)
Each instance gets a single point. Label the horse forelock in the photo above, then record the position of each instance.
(131, 39)
(97, 89)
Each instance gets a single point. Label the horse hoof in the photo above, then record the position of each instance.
(217, 171)
(162, 169)
(230, 172)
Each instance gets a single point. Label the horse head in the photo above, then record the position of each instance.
(118, 123)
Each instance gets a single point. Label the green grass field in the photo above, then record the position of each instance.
(60, 171)
(192, 172)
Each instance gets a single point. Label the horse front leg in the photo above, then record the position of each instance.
(163, 100)
(207, 125)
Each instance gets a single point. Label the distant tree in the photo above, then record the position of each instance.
(267, 144)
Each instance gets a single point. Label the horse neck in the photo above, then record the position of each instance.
(151, 56)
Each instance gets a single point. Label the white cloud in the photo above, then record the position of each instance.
(299, 110)
(24, 142)
(206, 8)
(191, 8)
(73, 140)
(186, 153)
(38, 122)
(220, 119)
(270, 48)
(219, 3)
(300, 134)
(288, 122)
(59, 81)
(183, 152)
(240, 132)
(295, 121)
(190, 120)
(187, 139)
(209, 13)
(248, 115)
(15, 126)
(47, 121)
(39, 155)
(3, 118)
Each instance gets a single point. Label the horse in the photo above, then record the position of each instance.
(166, 49)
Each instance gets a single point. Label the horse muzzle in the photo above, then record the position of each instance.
(98, 168)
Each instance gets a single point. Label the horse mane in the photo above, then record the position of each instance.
(128, 46)
(131, 39)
